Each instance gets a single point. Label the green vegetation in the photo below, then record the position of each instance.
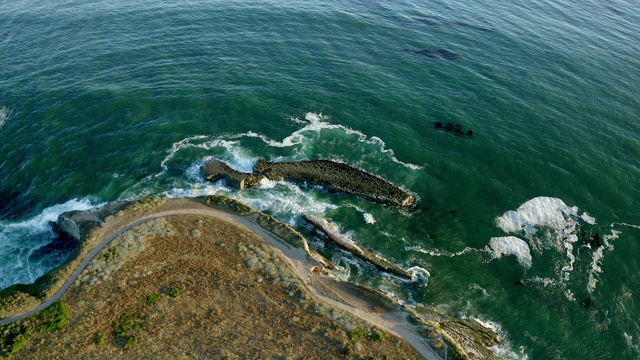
(126, 326)
(377, 336)
(151, 299)
(15, 335)
(98, 339)
(356, 334)
(175, 291)
(54, 317)
(111, 254)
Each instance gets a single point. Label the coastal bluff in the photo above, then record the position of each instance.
(332, 175)
(166, 277)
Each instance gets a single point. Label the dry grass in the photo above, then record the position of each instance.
(235, 299)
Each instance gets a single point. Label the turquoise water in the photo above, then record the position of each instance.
(101, 101)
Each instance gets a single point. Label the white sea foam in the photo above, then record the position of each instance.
(419, 274)
(511, 245)
(368, 218)
(286, 200)
(40, 222)
(4, 115)
(547, 222)
(595, 269)
(625, 224)
(503, 349)
(477, 287)
(596, 259)
(313, 123)
(18, 240)
(635, 348)
(545, 281)
(436, 252)
(588, 218)
(540, 212)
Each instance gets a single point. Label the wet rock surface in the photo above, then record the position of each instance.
(346, 243)
(338, 177)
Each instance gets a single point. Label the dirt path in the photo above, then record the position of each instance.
(297, 258)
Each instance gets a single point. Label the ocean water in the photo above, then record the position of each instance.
(112, 100)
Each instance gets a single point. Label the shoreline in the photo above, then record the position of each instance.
(299, 258)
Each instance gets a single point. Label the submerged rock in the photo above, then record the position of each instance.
(455, 129)
(215, 170)
(347, 244)
(439, 53)
(336, 176)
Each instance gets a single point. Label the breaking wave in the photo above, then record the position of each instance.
(301, 140)
(547, 223)
(20, 240)
(511, 245)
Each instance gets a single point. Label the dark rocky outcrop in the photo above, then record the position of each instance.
(215, 170)
(336, 176)
(347, 244)
(594, 240)
(466, 338)
(76, 224)
(454, 129)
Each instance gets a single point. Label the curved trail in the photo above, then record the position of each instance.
(297, 259)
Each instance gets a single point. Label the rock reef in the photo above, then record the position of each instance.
(344, 242)
(337, 177)
(332, 175)
(215, 170)
(454, 129)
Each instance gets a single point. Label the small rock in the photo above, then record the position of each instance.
(357, 347)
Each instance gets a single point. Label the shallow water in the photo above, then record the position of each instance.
(102, 102)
